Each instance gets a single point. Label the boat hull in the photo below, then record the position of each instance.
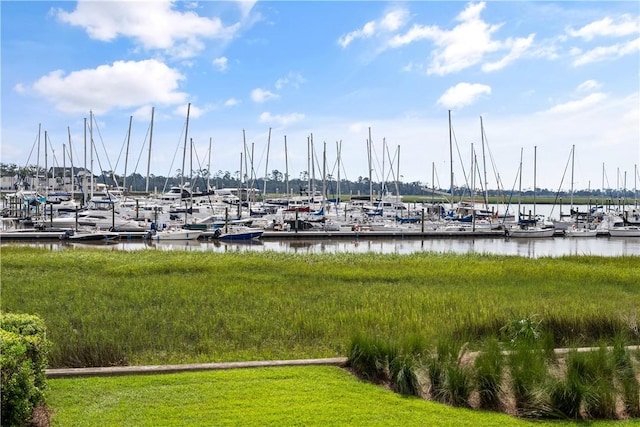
(530, 233)
(624, 232)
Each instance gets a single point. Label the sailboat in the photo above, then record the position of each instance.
(528, 228)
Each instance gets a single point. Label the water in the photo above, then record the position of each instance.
(530, 248)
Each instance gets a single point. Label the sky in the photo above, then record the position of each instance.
(523, 83)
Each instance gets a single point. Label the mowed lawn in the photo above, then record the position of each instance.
(279, 396)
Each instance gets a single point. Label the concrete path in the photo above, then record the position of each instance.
(158, 369)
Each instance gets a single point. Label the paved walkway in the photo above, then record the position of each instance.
(157, 369)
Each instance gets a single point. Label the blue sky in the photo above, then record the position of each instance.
(549, 75)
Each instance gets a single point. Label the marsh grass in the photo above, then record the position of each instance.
(149, 307)
(489, 367)
(528, 374)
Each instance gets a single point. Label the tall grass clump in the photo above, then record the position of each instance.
(590, 375)
(626, 376)
(489, 366)
(528, 365)
(370, 357)
(450, 380)
(403, 375)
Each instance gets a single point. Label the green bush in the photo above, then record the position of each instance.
(23, 360)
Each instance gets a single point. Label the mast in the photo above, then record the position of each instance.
(266, 165)
(324, 175)
(244, 150)
(338, 149)
(451, 157)
(184, 150)
(520, 186)
(126, 156)
(209, 167)
(46, 172)
(91, 152)
(369, 148)
(64, 166)
(71, 160)
(473, 188)
(38, 159)
(535, 149)
(484, 167)
(286, 166)
(573, 153)
(240, 180)
(149, 158)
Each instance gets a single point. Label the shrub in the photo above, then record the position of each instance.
(23, 360)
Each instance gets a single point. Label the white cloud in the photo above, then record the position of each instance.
(281, 120)
(152, 24)
(605, 53)
(390, 22)
(246, 6)
(19, 88)
(588, 85)
(221, 63)
(194, 112)
(463, 94)
(625, 26)
(518, 48)
(120, 85)
(260, 95)
(584, 104)
(467, 44)
(292, 79)
(231, 102)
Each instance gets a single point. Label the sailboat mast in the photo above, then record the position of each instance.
(38, 158)
(266, 165)
(369, 148)
(451, 157)
(184, 149)
(150, 141)
(126, 155)
(520, 186)
(338, 148)
(535, 149)
(91, 152)
(398, 174)
(286, 166)
(46, 172)
(71, 160)
(573, 153)
(209, 167)
(484, 166)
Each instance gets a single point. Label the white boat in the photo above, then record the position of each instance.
(580, 232)
(90, 236)
(530, 232)
(174, 234)
(626, 231)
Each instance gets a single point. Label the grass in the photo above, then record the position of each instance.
(254, 397)
(152, 307)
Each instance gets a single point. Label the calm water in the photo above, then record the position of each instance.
(531, 248)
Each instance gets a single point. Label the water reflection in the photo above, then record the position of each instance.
(530, 248)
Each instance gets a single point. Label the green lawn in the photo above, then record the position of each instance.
(282, 396)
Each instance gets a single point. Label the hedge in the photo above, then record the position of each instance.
(23, 360)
